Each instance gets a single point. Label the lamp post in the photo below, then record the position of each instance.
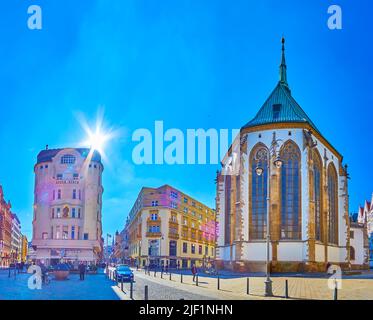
(259, 171)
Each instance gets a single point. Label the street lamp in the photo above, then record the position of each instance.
(259, 171)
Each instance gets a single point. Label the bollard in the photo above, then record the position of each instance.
(197, 281)
(155, 273)
(247, 286)
(335, 292)
(218, 283)
(181, 277)
(131, 290)
(161, 274)
(170, 276)
(146, 297)
(286, 289)
(121, 285)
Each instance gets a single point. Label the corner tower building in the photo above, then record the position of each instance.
(67, 206)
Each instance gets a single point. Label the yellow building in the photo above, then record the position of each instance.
(168, 227)
(24, 248)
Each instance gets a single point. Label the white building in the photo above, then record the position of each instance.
(307, 196)
(359, 244)
(365, 216)
(16, 242)
(67, 206)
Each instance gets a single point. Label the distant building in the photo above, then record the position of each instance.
(16, 243)
(168, 227)
(68, 206)
(359, 244)
(24, 248)
(365, 215)
(5, 230)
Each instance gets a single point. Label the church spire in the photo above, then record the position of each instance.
(283, 77)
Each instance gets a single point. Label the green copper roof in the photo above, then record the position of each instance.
(281, 106)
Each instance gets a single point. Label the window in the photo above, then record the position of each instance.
(352, 234)
(153, 229)
(173, 194)
(45, 235)
(154, 216)
(52, 213)
(74, 194)
(54, 194)
(333, 198)
(68, 159)
(73, 210)
(59, 176)
(58, 232)
(155, 203)
(185, 247)
(185, 222)
(185, 200)
(58, 212)
(185, 210)
(73, 232)
(59, 194)
(193, 248)
(259, 158)
(227, 205)
(290, 192)
(65, 232)
(85, 236)
(173, 205)
(352, 253)
(317, 166)
(276, 111)
(206, 251)
(200, 249)
(212, 251)
(193, 204)
(79, 213)
(76, 176)
(173, 248)
(80, 194)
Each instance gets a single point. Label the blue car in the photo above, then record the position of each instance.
(123, 273)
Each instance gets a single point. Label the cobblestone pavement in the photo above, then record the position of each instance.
(94, 287)
(234, 287)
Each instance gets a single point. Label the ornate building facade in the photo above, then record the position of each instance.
(68, 206)
(282, 163)
(168, 227)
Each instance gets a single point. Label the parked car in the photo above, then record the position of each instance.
(123, 273)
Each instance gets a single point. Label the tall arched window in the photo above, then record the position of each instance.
(228, 216)
(290, 192)
(258, 225)
(317, 167)
(333, 205)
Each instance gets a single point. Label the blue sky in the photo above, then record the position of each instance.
(192, 64)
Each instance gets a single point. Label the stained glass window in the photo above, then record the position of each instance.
(332, 212)
(290, 192)
(259, 194)
(317, 165)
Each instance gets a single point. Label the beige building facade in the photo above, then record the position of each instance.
(168, 227)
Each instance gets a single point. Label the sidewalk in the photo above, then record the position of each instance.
(235, 287)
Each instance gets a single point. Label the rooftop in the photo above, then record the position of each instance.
(48, 154)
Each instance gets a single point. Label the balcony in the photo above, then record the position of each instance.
(153, 234)
(174, 236)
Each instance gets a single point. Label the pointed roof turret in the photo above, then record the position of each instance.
(283, 75)
(281, 107)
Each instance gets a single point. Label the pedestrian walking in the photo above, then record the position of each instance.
(194, 272)
(178, 265)
(167, 267)
(82, 270)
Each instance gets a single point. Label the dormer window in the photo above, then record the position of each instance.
(276, 111)
(68, 159)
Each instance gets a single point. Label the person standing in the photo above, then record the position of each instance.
(167, 267)
(194, 272)
(82, 271)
